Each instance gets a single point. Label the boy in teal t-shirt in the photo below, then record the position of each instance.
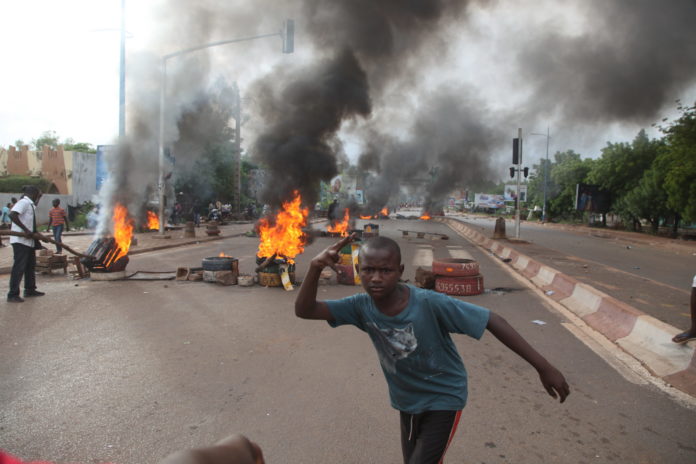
(410, 329)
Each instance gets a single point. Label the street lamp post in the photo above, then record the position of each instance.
(546, 168)
(287, 34)
(122, 75)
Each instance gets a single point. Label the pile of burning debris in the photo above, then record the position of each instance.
(281, 239)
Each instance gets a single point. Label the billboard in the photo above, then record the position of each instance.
(591, 199)
(487, 200)
(511, 192)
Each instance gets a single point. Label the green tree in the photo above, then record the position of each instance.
(567, 171)
(648, 200)
(204, 128)
(535, 184)
(47, 138)
(52, 140)
(622, 165)
(70, 145)
(678, 159)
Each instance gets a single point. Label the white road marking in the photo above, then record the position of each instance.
(460, 254)
(423, 257)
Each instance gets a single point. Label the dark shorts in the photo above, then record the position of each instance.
(425, 437)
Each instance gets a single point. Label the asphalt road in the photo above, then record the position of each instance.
(653, 276)
(127, 372)
(668, 267)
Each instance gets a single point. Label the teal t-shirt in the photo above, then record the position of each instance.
(423, 369)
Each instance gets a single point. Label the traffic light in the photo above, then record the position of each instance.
(525, 171)
(288, 35)
(512, 172)
(515, 151)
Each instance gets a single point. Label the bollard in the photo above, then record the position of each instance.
(212, 228)
(190, 230)
(499, 232)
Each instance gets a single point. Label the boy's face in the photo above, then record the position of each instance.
(380, 271)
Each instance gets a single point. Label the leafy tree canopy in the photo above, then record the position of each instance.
(568, 170)
(677, 160)
(52, 140)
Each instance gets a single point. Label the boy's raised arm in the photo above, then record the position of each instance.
(551, 378)
(306, 304)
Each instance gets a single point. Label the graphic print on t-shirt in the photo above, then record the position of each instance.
(392, 344)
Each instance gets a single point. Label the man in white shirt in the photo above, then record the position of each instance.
(23, 216)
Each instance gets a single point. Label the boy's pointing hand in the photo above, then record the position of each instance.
(329, 257)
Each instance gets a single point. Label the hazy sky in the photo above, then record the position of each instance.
(61, 66)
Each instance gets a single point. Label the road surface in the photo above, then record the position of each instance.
(127, 372)
(652, 275)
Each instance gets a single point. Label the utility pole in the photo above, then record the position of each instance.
(122, 76)
(546, 168)
(237, 195)
(517, 200)
(546, 173)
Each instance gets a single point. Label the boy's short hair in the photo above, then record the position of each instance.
(383, 243)
(56, 201)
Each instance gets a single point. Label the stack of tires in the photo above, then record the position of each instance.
(458, 277)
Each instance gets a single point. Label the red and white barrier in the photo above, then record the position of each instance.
(644, 337)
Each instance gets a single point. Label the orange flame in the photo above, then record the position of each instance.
(341, 227)
(223, 255)
(425, 217)
(152, 221)
(365, 217)
(123, 229)
(284, 238)
(385, 211)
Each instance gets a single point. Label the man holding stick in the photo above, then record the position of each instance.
(23, 216)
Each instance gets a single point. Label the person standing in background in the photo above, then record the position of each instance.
(58, 220)
(5, 220)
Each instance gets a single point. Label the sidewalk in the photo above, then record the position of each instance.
(614, 315)
(146, 241)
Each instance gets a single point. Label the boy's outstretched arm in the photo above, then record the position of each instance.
(551, 378)
(306, 304)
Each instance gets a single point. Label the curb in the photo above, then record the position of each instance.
(644, 337)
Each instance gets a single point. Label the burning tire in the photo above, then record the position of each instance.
(454, 267)
(459, 286)
(218, 263)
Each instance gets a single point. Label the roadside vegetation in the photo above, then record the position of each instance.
(648, 181)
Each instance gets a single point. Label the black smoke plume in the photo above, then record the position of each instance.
(366, 45)
(636, 59)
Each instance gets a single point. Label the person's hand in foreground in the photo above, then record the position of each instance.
(235, 449)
